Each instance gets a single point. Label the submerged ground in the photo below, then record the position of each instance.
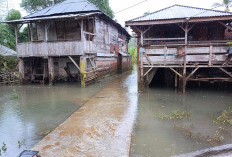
(104, 118)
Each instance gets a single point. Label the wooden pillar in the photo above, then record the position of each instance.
(46, 33)
(176, 79)
(185, 62)
(16, 33)
(141, 51)
(21, 69)
(83, 70)
(31, 31)
(51, 70)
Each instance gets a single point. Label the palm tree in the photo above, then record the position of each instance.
(225, 3)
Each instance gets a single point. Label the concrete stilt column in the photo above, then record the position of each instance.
(21, 70)
(51, 70)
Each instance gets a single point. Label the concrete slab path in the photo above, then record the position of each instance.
(102, 127)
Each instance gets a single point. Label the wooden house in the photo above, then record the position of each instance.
(185, 40)
(71, 40)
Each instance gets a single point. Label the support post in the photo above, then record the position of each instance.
(51, 70)
(46, 33)
(21, 70)
(176, 78)
(16, 33)
(83, 72)
(31, 31)
(210, 55)
(185, 48)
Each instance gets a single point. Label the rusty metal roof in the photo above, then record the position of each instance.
(181, 12)
(66, 7)
(5, 51)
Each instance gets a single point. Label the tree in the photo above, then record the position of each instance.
(225, 3)
(7, 32)
(12, 15)
(35, 5)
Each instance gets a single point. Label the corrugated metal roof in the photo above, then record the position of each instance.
(181, 12)
(66, 7)
(80, 15)
(5, 51)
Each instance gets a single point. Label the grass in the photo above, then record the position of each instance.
(174, 115)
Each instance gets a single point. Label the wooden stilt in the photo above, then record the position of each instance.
(51, 70)
(21, 69)
(176, 77)
(83, 71)
(185, 62)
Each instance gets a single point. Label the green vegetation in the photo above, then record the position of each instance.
(4, 147)
(45, 132)
(19, 144)
(132, 46)
(174, 115)
(225, 3)
(14, 94)
(35, 5)
(225, 118)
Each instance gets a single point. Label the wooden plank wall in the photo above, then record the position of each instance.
(41, 49)
(199, 55)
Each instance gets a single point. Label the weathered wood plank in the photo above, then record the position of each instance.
(40, 49)
(189, 50)
(189, 58)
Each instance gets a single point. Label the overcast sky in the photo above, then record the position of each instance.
(149, 5)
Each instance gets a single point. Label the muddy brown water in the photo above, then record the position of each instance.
(153, 137)
(38, 110)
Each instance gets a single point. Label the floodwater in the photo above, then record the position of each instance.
(37, 111)
(40, 109)
(154, 137)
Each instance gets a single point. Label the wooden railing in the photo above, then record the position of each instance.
(57, 48)
(205, 54)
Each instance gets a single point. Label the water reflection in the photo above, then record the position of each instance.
(37, 111)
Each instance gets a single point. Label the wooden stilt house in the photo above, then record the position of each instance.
(186, 40)
(71, 40)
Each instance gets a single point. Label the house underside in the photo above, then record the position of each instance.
(188, 47)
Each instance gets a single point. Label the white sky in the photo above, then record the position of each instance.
(149, 5)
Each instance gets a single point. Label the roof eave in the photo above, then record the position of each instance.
(58, 17)
(170, 21)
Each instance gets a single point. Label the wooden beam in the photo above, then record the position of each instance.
(163, 39)
(210, 55)
(191, 27)
(21, 69)
(148, 59)
(51, 70)
(192, 73)
(141, 66)
(74, 63)
(223, 24)
(147, 72)
(16, 33)
(31, 32)
(185, 61)
(176, 78)
(165, 55)
(225, 71)
(175, 72)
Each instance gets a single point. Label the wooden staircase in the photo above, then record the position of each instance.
(39, 72)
